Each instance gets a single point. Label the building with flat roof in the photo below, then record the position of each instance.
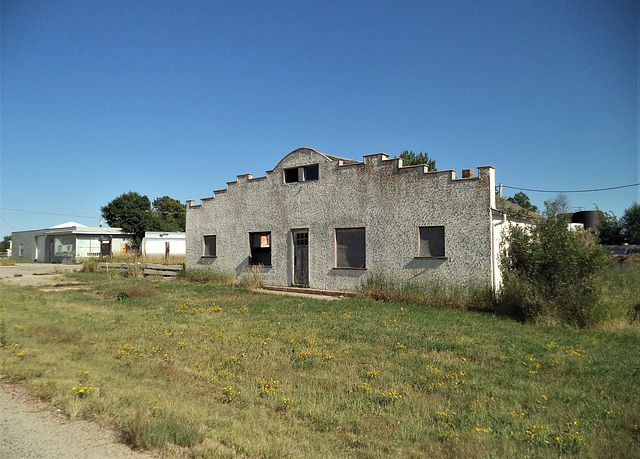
(67, 243)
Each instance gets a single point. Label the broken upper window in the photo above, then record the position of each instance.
(431, 242)
(260, 244)
(209, 246)
(301, 174)
(310, 172)
(350, 248)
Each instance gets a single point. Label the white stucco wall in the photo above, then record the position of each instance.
(389, 201)
(154, 243)
(502, 223)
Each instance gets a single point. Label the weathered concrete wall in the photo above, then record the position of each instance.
(391, 202)
(26, 240)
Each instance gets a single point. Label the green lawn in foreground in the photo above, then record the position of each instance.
(222, 370)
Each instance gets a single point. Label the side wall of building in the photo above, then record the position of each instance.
(158, 246)
(24, 245)
(390, 202)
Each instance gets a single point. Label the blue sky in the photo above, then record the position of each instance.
(177, 98)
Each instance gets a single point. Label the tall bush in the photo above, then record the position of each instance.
(551, 271)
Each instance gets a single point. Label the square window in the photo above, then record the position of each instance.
(431, 241)
(291, 175)
(350, 248)
(260, 245)
(209, 246)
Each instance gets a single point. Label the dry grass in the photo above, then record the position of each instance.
(134, 257)
(219, 370)
(141, 291)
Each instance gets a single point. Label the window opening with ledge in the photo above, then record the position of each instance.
(209, 246)
(260, 244)
(350, 248)
(431, 242)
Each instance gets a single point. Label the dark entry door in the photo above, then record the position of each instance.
(301, 258)
(105, 247)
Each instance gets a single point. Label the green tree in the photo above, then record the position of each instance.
(133, 213)
(550, 271)
(171, 213)
(523, 201)
(630, 223)
(610, 229)
(4, 245)
(409, 158)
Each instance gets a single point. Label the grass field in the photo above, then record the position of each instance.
(223, 371)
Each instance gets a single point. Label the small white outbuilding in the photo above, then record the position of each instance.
(163, 243)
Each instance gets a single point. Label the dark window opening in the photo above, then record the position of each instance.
(260, 244)
(209, 246)
(302, 174)
(311, 173)
(431, 241)
(291, 175)
(350, 248)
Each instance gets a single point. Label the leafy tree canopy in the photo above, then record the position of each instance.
(631, 224)
(610, 230)
(523, 201)
(615, 230)
(134, 214)
(409, 158)
(171, 212)
(4, 245)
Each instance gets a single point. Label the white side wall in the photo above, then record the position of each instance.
(157, 246)
(501, 227)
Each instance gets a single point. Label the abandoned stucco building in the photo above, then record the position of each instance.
(326, 222)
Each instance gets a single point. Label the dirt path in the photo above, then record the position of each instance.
(35, 274)
(29, 430)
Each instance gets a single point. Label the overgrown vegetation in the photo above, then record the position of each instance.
(224, 371)
(135, 257)
(203, 276)
(551, 272)
(380, 288)
(623, 230)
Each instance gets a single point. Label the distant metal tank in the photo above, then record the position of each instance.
(589, 218)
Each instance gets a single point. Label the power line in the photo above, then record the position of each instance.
(570, 191)
(46, 213)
